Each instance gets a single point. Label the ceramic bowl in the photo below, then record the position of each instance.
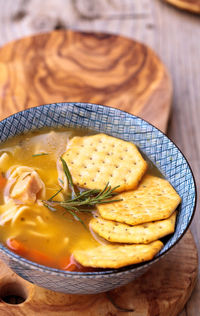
(157, 146)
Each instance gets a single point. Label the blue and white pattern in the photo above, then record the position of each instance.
(160, 150)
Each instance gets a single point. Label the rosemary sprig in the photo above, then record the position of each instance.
(77, 217)
(41, 154)
(55, 194)
(51, 208)
(78, 201)
(90, 198)
(61, 181)
(87, 198)
(68, 175)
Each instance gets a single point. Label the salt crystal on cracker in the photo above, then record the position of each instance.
(139, 234)
(154, 199)
(116, 256)
(96, 160)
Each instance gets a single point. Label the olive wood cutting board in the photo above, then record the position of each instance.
(64, 66)
(189, 5)
(105, 69)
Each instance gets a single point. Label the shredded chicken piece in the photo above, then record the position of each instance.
(51, 140)
(25, 185)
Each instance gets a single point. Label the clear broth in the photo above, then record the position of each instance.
(49, 238)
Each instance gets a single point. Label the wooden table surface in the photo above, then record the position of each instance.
(173, 34)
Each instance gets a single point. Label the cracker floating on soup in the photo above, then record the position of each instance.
(139, 234)
(154, 199)
(47, 202)
(116, 256)
(96, 160)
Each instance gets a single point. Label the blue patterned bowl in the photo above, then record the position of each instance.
(160, 150)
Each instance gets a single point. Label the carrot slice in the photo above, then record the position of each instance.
(3, 181)
(16, 246)
(40, 257)
(31, 254)
(68, 264)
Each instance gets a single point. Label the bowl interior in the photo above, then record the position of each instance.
(152, 142)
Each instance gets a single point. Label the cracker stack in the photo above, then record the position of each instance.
(147, 210)
(153, 200)
(139, 234)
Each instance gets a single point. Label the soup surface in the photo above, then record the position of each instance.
(49, 237)
(31, 172)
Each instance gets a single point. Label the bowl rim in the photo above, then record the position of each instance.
(107, 272)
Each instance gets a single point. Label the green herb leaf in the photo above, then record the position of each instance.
(77, 217)
(82, 201)
(54, 194)
(52, 209)
(41, 154)
(68, 175)
(61, 181)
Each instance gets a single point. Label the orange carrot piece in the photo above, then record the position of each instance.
(39, 257)
(68, 264)
(2, 182)
(16, 246)
(31, 254)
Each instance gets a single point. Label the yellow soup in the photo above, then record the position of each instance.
(44, 217)
(29, 228)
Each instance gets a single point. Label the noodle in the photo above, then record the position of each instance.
(31, 177)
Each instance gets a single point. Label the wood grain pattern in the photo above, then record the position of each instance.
(162, 291)
(84, 67)
(189, 5)
(28, 75)
(168, 31)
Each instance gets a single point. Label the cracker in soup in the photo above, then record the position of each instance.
(96, 160)
(139, 234)
(116, 255)
(154, 199)
(45, 213)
